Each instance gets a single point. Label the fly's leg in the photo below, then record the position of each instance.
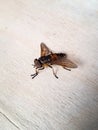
(53, 71)
(41, 68)
(66, 68)
(34, 75)
(37, 72)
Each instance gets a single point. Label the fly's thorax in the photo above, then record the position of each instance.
(45, 59)
(37, 63)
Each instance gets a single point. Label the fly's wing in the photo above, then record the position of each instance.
(44, 50)
(64, 62)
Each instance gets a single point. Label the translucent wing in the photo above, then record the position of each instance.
(64, 62)
(44, 50)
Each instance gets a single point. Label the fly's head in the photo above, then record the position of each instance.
(37, 63)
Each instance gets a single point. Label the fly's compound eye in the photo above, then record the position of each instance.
(37, 63)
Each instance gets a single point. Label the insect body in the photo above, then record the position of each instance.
(48, 58)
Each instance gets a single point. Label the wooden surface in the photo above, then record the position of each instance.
(47, 103)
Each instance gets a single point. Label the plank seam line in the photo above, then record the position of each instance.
(10, 120)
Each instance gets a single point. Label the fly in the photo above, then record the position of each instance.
(48, 58)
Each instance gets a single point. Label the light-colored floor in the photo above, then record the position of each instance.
(47, 103)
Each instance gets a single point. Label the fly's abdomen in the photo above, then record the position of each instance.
(61, 55)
